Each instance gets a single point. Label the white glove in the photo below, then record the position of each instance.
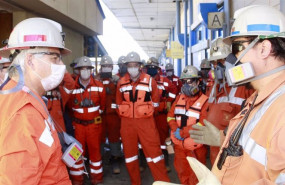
(208, 134)
(204, 175)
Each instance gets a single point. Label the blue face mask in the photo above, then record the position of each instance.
(152, 71)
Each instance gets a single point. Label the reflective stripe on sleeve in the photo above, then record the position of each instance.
(165, 84)
(131, 159)
(67, 90)
(155, 104)
(150, 83)
(80, 110)
(163, 147)
(170, 118)
(171, 95)
(113, 106)
(160, 87)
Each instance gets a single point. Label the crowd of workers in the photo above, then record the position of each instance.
(144, 109)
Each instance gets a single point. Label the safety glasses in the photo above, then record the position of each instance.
(56, 57)
(237, 46)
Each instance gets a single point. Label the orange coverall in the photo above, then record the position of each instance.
(111, 120)
(143, 129)
(183, 169)
(30, 149)
(221, 112)
(88, 128)
(58, 98)
(263, 157)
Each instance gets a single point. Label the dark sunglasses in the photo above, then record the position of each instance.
(237, 46)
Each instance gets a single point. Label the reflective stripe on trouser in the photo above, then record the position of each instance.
(90, 135)
(182, 167)
(145, 132)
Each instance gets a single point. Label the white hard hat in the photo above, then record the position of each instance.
(256, 20)
(35, 32)
(152, 61)
(4, 60)
(83, 62)
(219, 50)
(106, 60)
(169, 66)
(133, 57)
(190, 72)
(121, 60)
(205, 64)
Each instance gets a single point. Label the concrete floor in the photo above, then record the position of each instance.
(123, 177)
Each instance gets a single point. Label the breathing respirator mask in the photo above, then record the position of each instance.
(241, 73)
(189, 88)
(152, 70)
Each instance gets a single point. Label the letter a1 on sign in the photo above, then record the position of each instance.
(215, 20)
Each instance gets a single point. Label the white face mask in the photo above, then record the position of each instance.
(169, 73)
(133, 71)
(85, 74)
(54, 79)
(106, 69)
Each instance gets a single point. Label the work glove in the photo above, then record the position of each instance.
(177, 134)
(207, 134)
(203, 174)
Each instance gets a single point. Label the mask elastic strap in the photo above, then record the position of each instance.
(20, 83)
(263, 75)
(247, 49)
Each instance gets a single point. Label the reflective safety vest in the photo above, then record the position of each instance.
(86, 102)
(187, 118)
(138, 104)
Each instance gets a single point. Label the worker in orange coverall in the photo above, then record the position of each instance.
(30, 148)
(111, 120)
(57, 99)
(189, 108)
(87, 102)
(174, 79)
(167, 94)
(137, 96)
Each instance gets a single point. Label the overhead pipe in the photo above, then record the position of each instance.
(227, 26)
(185, 32)
(178, 31)
(190, 35)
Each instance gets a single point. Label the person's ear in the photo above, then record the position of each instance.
(266, 48)
(29, 60)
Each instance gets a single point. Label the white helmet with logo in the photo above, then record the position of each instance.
(256, 20)
(35, 32)
(133, 57)
(219, 50)
(83, 62)
(106, 60)
(190, 72)
(169, 66)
